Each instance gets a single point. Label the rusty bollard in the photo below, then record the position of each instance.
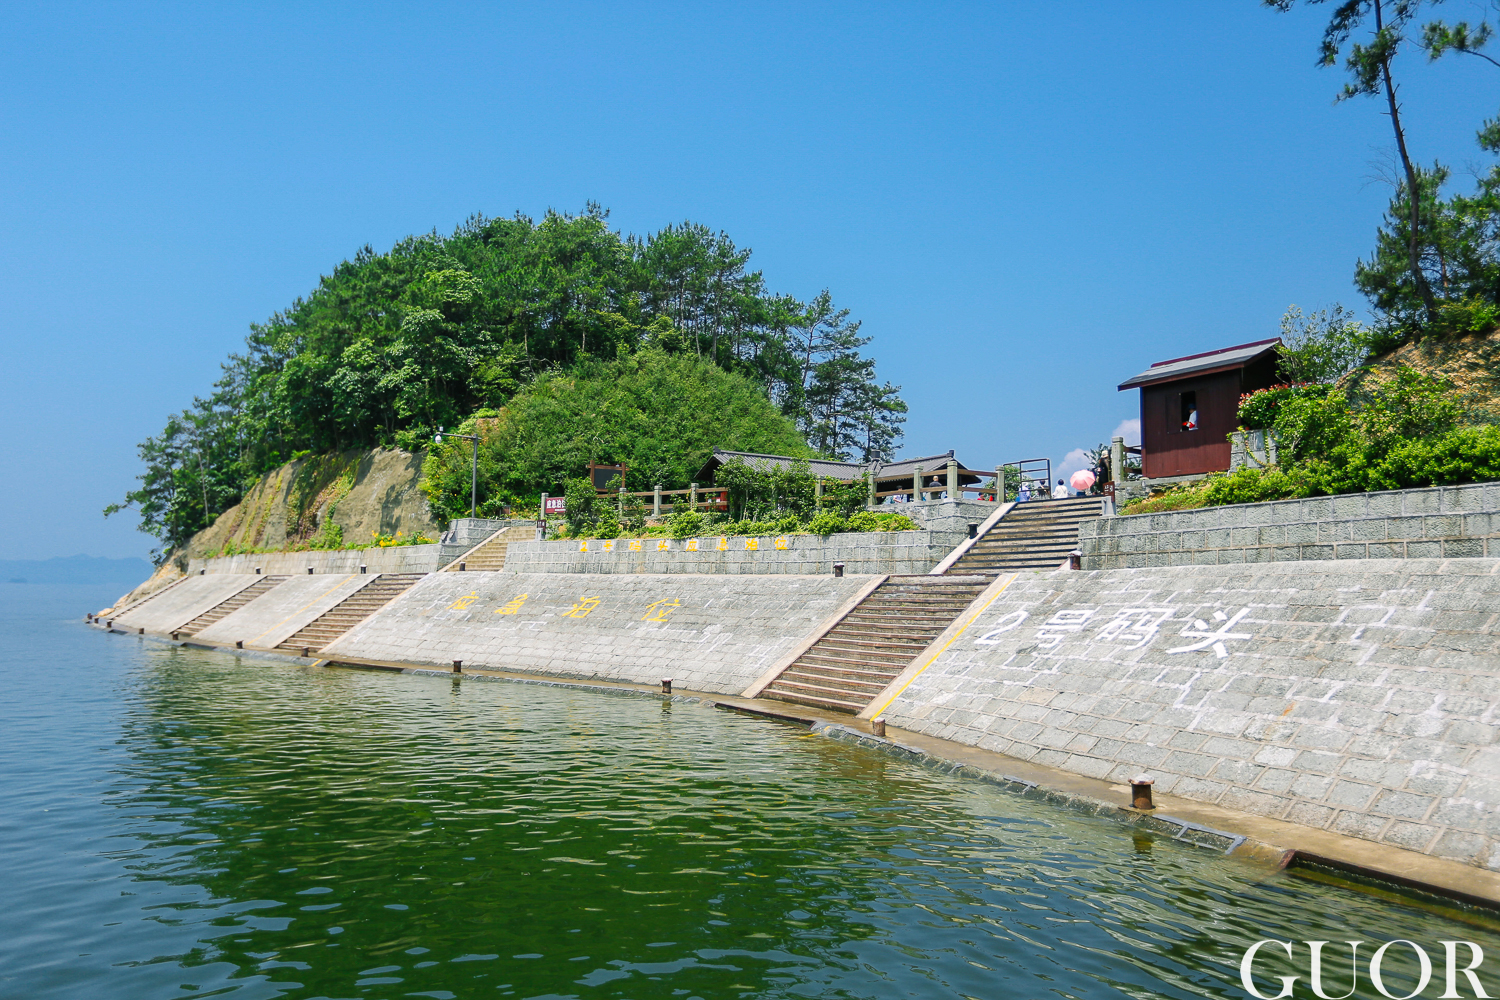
(838, 569)
(1140, 792)
(239, 644)
(666, 685)
(1075, 559)
(306, 650)
(877, 726)
(458, 666)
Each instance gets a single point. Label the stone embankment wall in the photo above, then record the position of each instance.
(1445, 521)
(392, 559)
(1360, 696)
(807, 555)
(281, 612)
(708, 633)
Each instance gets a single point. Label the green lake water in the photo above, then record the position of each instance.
(179, 823)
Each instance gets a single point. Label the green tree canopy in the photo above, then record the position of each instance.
(660, 414)
(391, 346)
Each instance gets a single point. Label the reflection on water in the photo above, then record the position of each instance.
(184, 823)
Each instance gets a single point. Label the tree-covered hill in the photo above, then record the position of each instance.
(662, 415)
(391, 346)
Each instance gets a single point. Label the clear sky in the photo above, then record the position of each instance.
(1024, 203)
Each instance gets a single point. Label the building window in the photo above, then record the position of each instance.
(1189, 410)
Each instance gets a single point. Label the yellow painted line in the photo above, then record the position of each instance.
(944, 647)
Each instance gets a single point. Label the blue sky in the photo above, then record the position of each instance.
(1024, 203)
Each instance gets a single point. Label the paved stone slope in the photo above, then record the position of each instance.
(1362, 697)
(708, 633)
(184, 602)
(273, 616)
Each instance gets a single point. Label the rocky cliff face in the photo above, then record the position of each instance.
(324, 501)
(328, 501)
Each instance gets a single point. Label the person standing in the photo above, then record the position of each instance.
(1060, 491)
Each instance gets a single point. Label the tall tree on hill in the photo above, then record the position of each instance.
(1369, 67)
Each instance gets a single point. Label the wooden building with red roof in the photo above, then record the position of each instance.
(1189, 406)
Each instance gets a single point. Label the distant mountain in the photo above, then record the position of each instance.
(74, 569)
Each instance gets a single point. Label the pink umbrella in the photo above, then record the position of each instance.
(1082, 480)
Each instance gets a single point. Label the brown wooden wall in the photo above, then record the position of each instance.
(1167, 449)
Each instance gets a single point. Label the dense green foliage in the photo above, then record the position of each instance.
(763, 500)
(1410, 433)
(391, 346)
(661, 415)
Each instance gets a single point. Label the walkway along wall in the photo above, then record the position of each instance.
(1361, 696)
(708, 633)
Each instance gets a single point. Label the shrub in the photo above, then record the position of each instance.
(607, 524)
(826, 523)
(583, 505)
(863, 520)
(686, 524)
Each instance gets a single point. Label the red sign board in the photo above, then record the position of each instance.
(556, 505)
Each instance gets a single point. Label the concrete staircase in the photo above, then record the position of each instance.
(858, 657)
(1034, 535)
(349, 612)
(228, 607)
(489, 555)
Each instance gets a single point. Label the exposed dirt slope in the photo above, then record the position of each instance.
(350, 497)
(1471, 364)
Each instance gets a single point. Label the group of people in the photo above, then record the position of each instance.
(1059, 492)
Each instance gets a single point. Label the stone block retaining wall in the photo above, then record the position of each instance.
(1361, 697)
(1444, 521)
(393, 559)
(707, 633)
(807, 555)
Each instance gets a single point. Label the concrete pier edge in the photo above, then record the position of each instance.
(1254, 839)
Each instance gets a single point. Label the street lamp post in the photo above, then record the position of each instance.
(474, 478)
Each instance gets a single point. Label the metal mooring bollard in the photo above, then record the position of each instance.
(458, 666)
(306, 650)
(877, 725)
(1140, 792)
(174, 636)
(666, 685)
(203, 572)
(309, 571)
(838, 569)
(1075, 559)
(110, 623)
(973, 531)
(239, 644)
(140, 631)
(257, 571)
(362, 568)
(463, 567)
